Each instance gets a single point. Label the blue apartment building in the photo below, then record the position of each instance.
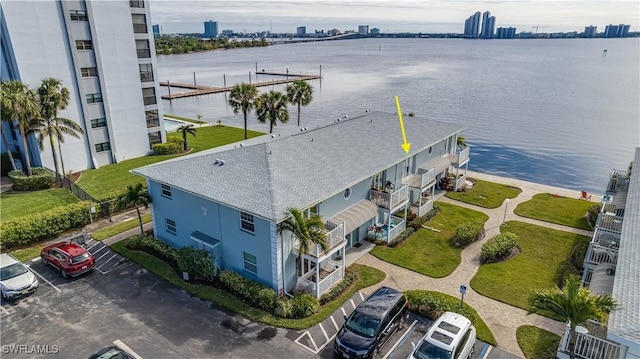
(353, 173)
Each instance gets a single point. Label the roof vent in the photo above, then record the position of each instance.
(306, 128)
(345, 116)
(273, 136)
(221, 163)
(302, 129)
(241, 144)
(216, 162)
(311, 139)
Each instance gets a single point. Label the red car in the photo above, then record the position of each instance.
(69, 257)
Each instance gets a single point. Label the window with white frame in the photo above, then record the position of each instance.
(250, 263)
(246, 222)
(89, 71)
(166, 191)
(170, 225)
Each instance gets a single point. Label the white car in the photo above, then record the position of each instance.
(450, 337)
(16, 280)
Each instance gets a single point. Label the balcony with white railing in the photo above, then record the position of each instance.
(397, 225)
(597, 254)
(618, 181)
(425, 204)
(318, 281)
(461, 157)
(423, 179)
(609, 222)
(590, 347)
(335, 240)
(396, 196)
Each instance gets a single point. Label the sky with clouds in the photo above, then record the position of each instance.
(429, 16)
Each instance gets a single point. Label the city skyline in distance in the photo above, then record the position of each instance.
(391, 16)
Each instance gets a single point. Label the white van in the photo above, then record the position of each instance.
(450, 337)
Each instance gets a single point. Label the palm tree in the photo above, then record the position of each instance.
(136, 196)
(575, 305)
(242, 97)
(272, 106)
(19, 103)
(186, 129)
(309, 231)
(53, 97)
(299, 93)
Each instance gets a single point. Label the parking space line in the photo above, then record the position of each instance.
(89, 241)
(96, 252)
(105, 254)
(113, 266)
(334, 322)
(352, 303)
(4, 310)
(126, 348)
(108, 260)
(343, 311)
(45, 279)
(485, 351)
(306, 332)
(361, 295)
(323, 331)
(89, 249)
(402, 339)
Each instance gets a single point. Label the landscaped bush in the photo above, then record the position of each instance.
(197, 262)
(339, 288)
(593, 213)
(304, 305)
(172, 146)
(283, 308)
(155, 247)
(40, 179)
(432, 304)
(498, 247)
(565, 269)
(468, 233)
(417, 223)
(578, 253)
(401, 237)
(25, 230)
(250, 291)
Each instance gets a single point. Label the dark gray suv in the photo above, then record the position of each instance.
(371, 324)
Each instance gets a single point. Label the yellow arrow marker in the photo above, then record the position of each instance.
(405, 145)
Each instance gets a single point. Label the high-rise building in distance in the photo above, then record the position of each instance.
(301, 31)
(103, 52)
(363, 29)
(157, 30)
(375, 31)
(590, 31)
(211, 29)
(472, 25)
(620, 30)
(506, 33)
(488, 25)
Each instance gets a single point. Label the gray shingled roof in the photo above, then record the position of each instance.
(301, 169)
(625, 322)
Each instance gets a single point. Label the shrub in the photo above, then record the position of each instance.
(578, 253)
(498, 247)
(155, 247)
(419, 221)
(401, 237)
(197, 262)
(283, 308)
(565, 269)
(592, 215)
(339, 288)
(250, 291)
(40, 179)
(45, 225)
(468, 233)
(304, 305)
(172, 146)
(433, 304)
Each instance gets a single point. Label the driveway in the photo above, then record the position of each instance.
(75, 318)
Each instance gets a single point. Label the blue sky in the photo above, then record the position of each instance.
(390, 16)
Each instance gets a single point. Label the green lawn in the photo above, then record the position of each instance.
(485, 194)
(110, 231)
(18, 204)
(561, 210)
(367, 277)
(544, 253)
(114, 178)
(27, 253)
(186, 119)
(537, 343)
(428, 252)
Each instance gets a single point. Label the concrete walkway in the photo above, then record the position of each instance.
(502, 319)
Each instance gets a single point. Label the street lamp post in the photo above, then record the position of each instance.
(506, 206)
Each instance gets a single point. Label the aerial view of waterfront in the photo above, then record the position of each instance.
(550, 111)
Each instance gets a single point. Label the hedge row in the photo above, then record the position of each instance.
(155, 247)
(301, 305)
(417, 223)
(250, 291)
(498, 247)
(401, 237)
(339, 288)
(592, 215)
(37, 227)
(40, 179)
(433, 304)
(468, 233)
(171, 147)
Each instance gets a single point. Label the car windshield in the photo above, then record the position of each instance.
(13, 270)
(80, 258)
(427, 350)
(112, 354)
(362, 324)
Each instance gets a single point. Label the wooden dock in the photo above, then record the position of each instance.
(199, 90)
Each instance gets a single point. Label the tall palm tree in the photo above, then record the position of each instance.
(186, 129)
(19, 103)
(299, 93)
(309, 231)
(242, 97)
(575, 305)
(272, 106)
(53, 97)
(136, 196)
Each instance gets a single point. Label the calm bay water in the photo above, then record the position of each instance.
(549, 111)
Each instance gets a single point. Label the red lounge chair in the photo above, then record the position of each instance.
(585, 196)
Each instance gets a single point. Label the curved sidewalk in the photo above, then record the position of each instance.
(502, 319)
